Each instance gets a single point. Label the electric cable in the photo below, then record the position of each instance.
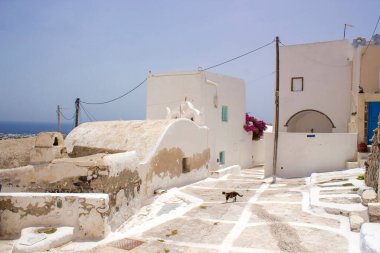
(67, 118)
(114, 99)
(237, 57)
(88, 114)
(137, 86)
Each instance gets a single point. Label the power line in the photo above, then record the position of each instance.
(237, 57)
(109, 101)
(67, 118)
(88, 114)
(214, 66)
(373, 33)
(91, 115)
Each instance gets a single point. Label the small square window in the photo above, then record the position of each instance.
(221, 157)
(224, 113)
(297, 84)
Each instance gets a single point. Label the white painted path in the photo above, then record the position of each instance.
(268, 218)
(289, 216)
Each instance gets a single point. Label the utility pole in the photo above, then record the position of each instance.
(77, 102)
(277, 103)
(59, 117)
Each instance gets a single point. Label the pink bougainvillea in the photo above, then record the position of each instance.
(256, 126)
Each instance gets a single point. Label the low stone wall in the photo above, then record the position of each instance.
(87, 213)
(115, 175)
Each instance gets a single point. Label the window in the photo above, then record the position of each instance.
(224, 113)
(221, 157)
(185, 165)
(297, 84)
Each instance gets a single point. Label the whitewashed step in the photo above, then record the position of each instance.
(33, 241)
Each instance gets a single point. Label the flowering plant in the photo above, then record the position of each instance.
(256, 126)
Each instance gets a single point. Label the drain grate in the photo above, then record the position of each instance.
(125, 244)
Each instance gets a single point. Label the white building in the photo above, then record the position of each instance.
(211, 100)
(331, 87)
(315, 110)
(315, 87)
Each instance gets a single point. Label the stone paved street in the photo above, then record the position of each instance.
(268, 218)
(292, 215)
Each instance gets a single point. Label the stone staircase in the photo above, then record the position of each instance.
(342, 193)
(337, 193)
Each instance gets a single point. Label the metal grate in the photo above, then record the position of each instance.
(125, 244)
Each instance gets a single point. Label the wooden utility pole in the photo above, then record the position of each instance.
(59, 117)
(277, 103)
(77, 102)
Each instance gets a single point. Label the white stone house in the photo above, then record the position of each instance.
(315, 109)
(209, 99)
(331, 87)
(315, 87)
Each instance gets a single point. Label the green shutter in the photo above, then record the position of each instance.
(221, 157)
(224, 113)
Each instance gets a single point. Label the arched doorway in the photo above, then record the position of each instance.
(308, 121)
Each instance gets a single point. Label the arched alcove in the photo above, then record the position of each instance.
(307, 121)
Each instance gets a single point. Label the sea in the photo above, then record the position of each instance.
(15, 130)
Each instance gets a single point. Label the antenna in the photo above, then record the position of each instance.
(345, 26)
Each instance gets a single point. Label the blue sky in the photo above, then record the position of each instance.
(54, 51)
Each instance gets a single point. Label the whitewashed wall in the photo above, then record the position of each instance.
(208, 92)
(299, 156)
(326, 69)
(228, 136)
(182, 139)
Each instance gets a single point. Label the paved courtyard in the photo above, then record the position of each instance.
(268, 218)
(292, 215)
